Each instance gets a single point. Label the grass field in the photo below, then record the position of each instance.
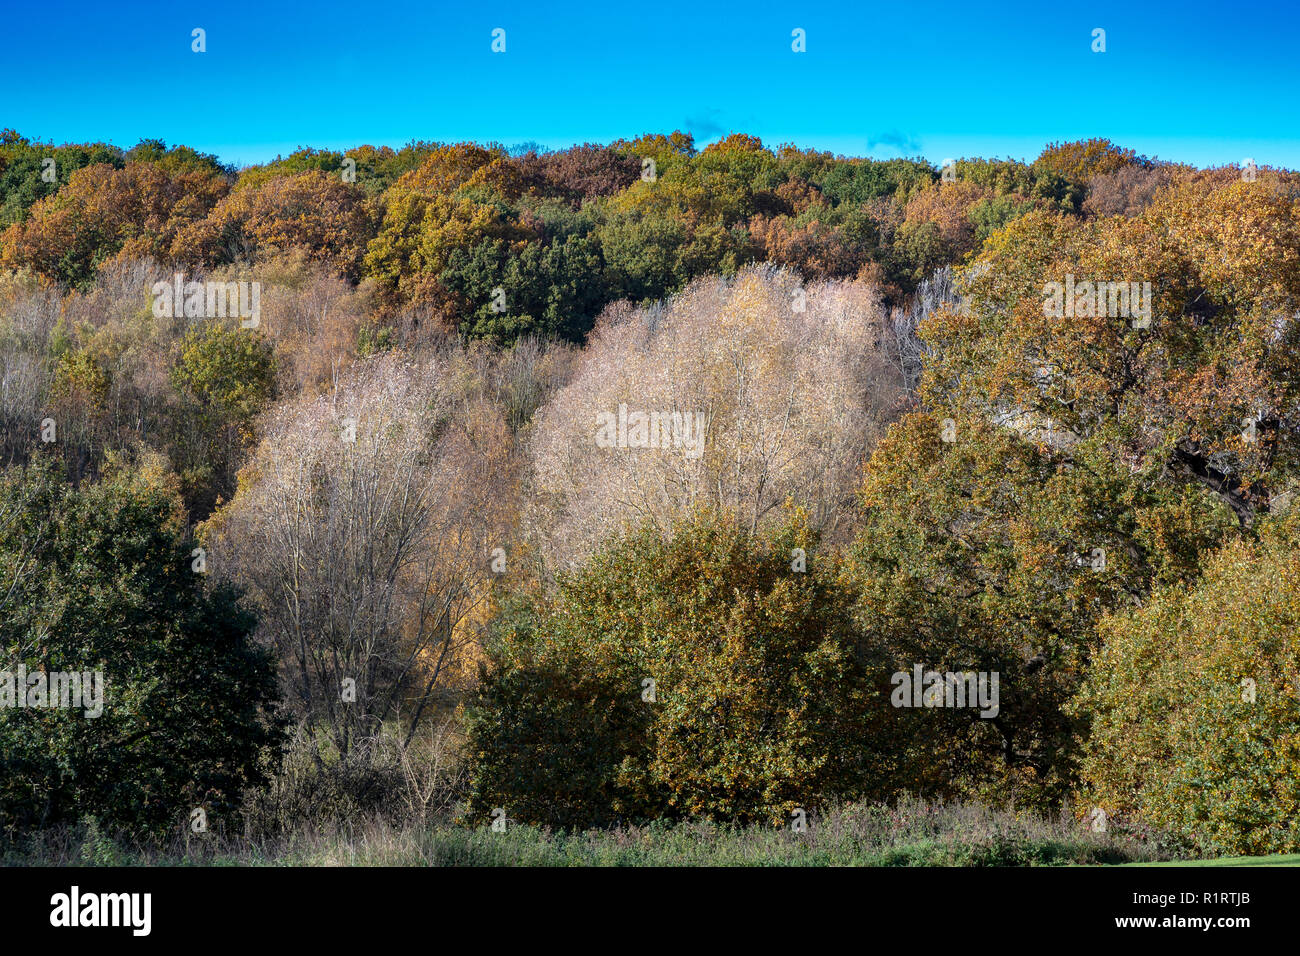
(912, 833)
(690, 844)
(1279, 859)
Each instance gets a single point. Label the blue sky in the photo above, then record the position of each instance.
(1200, 82)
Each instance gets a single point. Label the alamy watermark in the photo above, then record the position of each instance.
(1127, 300)
(684, 430)
(210, 300)
(922, 688)
(75, 909)
(64, 690)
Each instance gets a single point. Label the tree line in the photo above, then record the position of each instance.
(384, 510)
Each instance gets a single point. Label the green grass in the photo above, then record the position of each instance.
(1278, 859)
(911, 833)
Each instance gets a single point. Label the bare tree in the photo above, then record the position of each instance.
(793, 384)
(906, 349)
(363, 528)
(28, 316)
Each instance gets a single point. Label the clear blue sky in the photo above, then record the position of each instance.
(1203, 82)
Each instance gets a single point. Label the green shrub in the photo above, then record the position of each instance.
(1195, 704)
(763, 699)
(101, 579)
(996, 553)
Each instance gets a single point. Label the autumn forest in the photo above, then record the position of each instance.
(462, 488)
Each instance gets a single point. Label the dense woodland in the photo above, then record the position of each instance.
(368, 558)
